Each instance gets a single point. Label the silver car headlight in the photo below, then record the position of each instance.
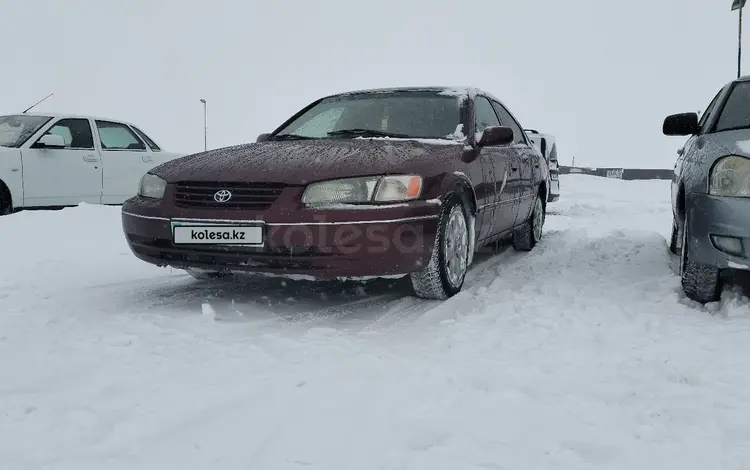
(394, 188)
(730, 176)
(152, 186)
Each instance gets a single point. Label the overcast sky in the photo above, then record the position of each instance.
(600, 76)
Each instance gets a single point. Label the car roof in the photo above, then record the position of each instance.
(457, 91)
(448, 90)
(70, 116)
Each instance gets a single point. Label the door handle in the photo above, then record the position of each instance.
(90, 158)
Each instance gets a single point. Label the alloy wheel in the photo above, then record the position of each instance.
(456, 246)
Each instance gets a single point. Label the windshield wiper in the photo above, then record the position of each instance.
(291, 137)
(367, 133)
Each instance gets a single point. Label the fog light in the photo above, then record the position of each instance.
(729, 245)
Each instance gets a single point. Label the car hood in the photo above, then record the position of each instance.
(735, 142)
(300, 162)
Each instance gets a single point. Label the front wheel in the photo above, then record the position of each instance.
(700, 282)
(444, 275)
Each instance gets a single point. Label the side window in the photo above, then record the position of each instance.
(507, 120)
(484, 115)
(117, 136)
(76, 133)
(149, 141)
(709, 110)
(553, 153)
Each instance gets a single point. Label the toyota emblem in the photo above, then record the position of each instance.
(222, 196)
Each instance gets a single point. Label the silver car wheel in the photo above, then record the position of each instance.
(456, 246)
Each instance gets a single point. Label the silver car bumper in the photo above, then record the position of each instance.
(719, 230)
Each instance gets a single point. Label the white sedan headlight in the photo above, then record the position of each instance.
(730, 177)
(397, 188)
(152, 186)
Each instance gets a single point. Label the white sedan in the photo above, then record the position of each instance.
(51, 160)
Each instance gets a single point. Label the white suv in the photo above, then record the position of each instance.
(546, 144)
(51, 160)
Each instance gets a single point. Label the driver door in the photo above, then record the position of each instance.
(64, 176)
(500, 207)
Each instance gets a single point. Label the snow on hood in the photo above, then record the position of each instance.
(744, 146)
(301, 162)
(735, 142)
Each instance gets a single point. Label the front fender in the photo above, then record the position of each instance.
(459, 178)
(700, 157)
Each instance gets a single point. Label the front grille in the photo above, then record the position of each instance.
(254, 196)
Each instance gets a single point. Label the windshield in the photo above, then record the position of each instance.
(398, 114)
(736, 111)
(16, 129)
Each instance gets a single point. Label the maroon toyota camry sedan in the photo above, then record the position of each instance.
(401, 181)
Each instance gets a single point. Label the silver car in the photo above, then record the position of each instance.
(711, 192)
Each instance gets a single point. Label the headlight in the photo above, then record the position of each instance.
(152, 186)
(729, 177)
(363, 190)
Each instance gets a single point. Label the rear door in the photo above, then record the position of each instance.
(62, 176)
(125, 158)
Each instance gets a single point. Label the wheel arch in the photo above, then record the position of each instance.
(5, 194)
(680, 202)
(542, 192)
(461, 184)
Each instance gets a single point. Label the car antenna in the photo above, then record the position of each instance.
(24, 111)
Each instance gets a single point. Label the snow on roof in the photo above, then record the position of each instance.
(442, 90)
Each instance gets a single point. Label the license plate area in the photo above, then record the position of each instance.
(218, 234)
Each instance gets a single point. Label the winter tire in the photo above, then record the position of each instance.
(700, 282)
(206, 275)
(444, 275)
(526, 238)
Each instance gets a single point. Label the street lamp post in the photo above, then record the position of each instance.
(739, 5)
(205, 126)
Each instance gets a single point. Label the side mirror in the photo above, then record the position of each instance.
(51, 141)
(496, 135)
(262, 137)
(681, 124)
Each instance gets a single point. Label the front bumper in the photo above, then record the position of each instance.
(719, 230)
(380, 241)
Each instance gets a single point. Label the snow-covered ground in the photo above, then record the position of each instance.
(582, 354)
